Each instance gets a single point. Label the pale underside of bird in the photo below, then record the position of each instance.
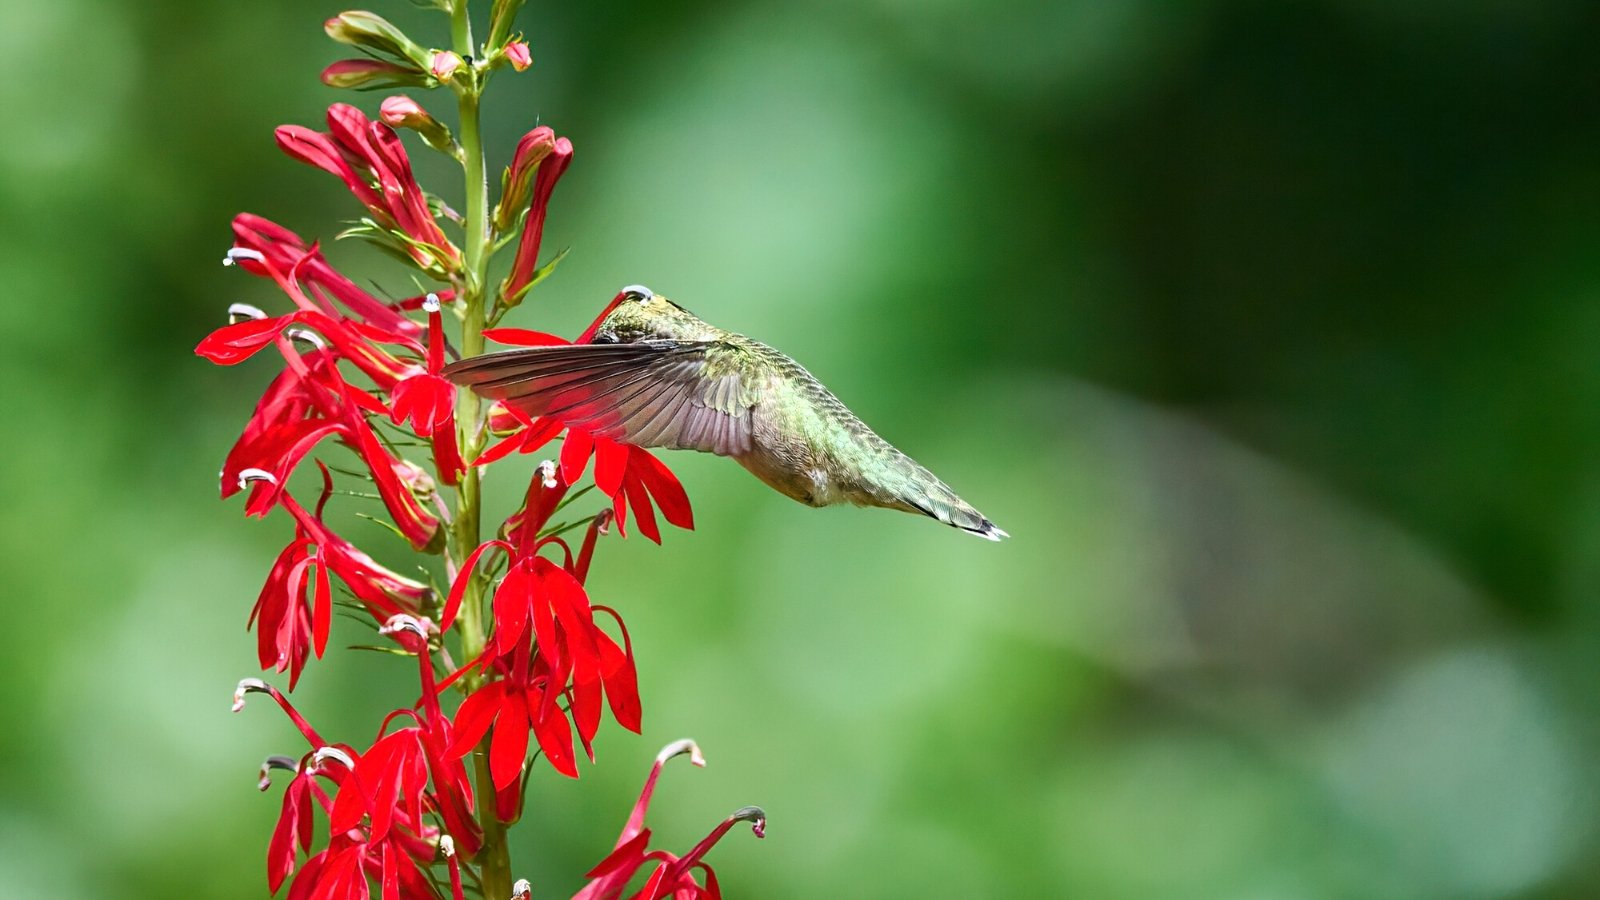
(653, 375)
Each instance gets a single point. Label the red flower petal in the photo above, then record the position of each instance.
(523, 337)
(663, 485)
(555, 739)
(575, 451)
(509, 746)
(472, 721)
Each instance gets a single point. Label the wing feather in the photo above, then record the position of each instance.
(676, 394)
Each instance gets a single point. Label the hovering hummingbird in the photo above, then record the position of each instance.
(651, 373)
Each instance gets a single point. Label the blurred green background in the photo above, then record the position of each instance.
(1270, 331)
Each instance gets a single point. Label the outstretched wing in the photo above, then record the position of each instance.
(674, 394)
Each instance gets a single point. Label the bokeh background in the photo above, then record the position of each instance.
(1270, 331)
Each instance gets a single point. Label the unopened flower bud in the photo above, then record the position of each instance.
(516, 186)
(370, 74)
(518, 55)
(371, 31)
(501, 15)
(401, 111)
(444, 64)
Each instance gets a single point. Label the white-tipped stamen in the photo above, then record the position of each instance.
(306, 336)
(522, 890)
(235, 254)
(274, 762)
(547, 474)
(639, 292)
(240, 311)
(402, 622)
(327, 753)
(678, 748)
(603, 520)
(248, 475)
(431, 303)
(247, 685)
(447, 845)
(755, 815)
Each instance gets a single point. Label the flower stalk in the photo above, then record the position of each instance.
(494, 859)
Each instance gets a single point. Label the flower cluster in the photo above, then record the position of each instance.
(421, 811)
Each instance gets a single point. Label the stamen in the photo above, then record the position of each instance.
(447, 845)
(248, 475)
(239, 311)
(274, 762)
(522, 890)
(247, 686)
(326, 753)
(402, 622)
(639, 292)
(678, 748)
(755, 815)
(431, 303)
(547, 474)
(236, 254)
(307, 336)
(603, 520)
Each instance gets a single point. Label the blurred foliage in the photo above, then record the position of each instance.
(1271, 331)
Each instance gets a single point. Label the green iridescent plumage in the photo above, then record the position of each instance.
(655, 375)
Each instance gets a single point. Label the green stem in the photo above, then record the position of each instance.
(494, 860)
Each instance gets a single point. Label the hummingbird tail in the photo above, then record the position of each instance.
(942, 504)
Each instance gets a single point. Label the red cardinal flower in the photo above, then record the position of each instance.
(289, 623)
(283, 251)
(429, 401)
(368, 157)
(672, 876)
(547, 645)
(307, 403)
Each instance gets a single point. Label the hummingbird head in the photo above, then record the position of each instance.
(640, 314)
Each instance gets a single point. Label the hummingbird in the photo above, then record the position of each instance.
(652, 374)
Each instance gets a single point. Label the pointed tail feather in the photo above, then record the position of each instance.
(942, 504)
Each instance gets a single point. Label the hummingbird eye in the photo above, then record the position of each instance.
(639, 292)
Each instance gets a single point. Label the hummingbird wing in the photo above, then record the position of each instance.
(675, 394)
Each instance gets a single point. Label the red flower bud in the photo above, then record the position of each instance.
(517, 182)
(517, 54)
(401, 111)
(444, 64)
(527, 258)
(367, 74)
